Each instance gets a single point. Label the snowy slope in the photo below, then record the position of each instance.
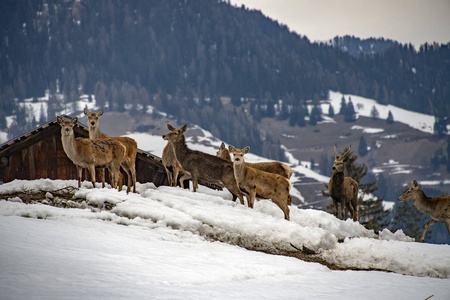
(170, 243)
(363, 107)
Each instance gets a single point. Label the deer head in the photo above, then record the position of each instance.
(238, 154)
(93, 117)
(223, 152)
(412, 193)
(339, 162)
(67, 126)
(175, 133)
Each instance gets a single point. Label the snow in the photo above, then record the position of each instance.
(363, 107)
(171, 243)
(367, 129)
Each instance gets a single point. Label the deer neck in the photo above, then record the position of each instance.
(423, 203)
(338, 180)
(94, 133)
(69, 142)
(180, 148)
(239, 170)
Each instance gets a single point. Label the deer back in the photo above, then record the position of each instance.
(273, 167)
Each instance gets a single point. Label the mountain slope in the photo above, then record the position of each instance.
(185, 57)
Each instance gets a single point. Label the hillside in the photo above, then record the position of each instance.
(184, 57)
(170, 243)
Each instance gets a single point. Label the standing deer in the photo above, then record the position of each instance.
(88, 153)
(172, 165)
(343, 190)
(197, 164)
(438, 208)
(270, 166)
(261, 184)
(129, 162)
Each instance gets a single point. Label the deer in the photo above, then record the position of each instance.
(343, 189)
(172, 165)
(129, 162)
(88, 153)
(270, 166)
(197, 164)
(261, 184)
(438, 208)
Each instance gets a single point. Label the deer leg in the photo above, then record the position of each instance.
(355, 210)
(169, 176)
(430, 223)
(342, 211)
(127, 170)
(102, 172)
(251, 200)
(350, 209)
(185, 176)
(194, 182)
(336, 210)
(175, 173)
(91, 169)
(79, 171)
(283, 206)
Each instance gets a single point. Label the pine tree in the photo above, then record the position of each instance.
(362, 148)
(374, 113)
(316, 115)
(440, 127)
(330, 111)
(350, 114)
(390, 118)
(343, 108)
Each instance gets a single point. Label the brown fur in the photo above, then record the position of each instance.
(129, 162)
(88, 153)
(271, 166)
(261, 184)
(201, 165)
(172, 165)
(343, 190)
(438, 208)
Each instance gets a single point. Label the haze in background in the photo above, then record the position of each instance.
(406, 21)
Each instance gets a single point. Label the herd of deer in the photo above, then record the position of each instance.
(266, 180)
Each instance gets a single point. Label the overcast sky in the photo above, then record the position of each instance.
(406, 21)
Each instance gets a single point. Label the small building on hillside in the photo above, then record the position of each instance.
(40, 154)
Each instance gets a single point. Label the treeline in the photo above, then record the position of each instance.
(182, 56)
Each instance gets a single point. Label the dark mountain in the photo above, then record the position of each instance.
(186, 57)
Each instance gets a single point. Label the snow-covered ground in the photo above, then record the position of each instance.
(363, 107)
(170, 243)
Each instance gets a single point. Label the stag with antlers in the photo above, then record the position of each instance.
(343, 190)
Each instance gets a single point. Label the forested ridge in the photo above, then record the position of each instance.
(182, 56)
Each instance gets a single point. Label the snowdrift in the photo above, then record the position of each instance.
(211, 215)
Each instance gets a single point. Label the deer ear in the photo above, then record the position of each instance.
(170, 127)
(100, 113)
(231, 148)
(246, 149)
(183, 129)
(222, 146)
(59, 119)
(414, 183)
(85, 111)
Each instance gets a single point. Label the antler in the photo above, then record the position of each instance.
(349, 148)
(335, 150)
